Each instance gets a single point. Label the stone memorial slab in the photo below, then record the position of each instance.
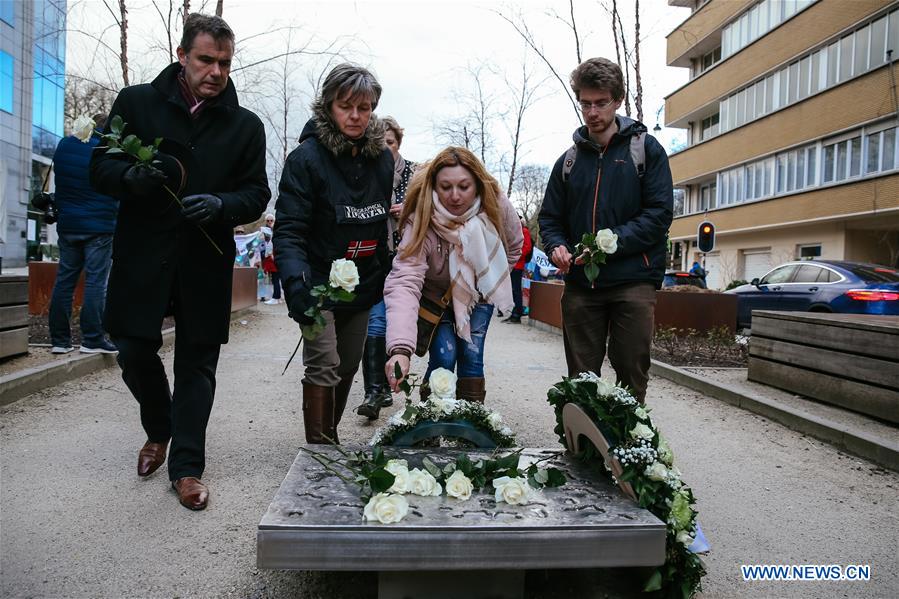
(315, 523)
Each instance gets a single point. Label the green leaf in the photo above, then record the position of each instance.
(342, 295)
(115, 151)
(541, 476)
(410, 413)
(591, 271)
(311, 312)
(131, 144)
(654, 583)
(146, 153)
(117, 125)
(555, 478)
(156, 142)
(432, 468)
(380, 480)
(377, 456)
(588, 239)
(397, 371)
(449, 469)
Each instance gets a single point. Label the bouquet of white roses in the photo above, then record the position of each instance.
(593, 249)
(342, 280)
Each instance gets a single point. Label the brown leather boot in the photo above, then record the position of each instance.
(341, 393)
(471, 389)
(318, 414)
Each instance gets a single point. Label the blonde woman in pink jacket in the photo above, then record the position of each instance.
(459, 229)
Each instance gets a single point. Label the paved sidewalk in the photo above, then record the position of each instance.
(76, 521)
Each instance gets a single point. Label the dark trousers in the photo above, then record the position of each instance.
(182, 414)
(621, 316)
(93, 254)
(516, 275)
(276, 284)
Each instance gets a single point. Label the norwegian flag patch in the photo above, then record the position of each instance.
(361, 249)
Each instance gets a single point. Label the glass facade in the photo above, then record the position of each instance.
(49, 76)
(7, 11)
(6, 81)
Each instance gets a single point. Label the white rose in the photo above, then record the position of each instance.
(607, 241)
(641, 413)
(386, 508)
(83, 128)
(665, 453)
(421, 482)
(604, 387)
(443, 405)
(641, 431)
(443, 383)
(684, 538)
(459, 486)
(400, 471)
(495, 420)
(656, 471)
(514, 491)
(344, 274)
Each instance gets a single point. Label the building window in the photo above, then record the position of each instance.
(7, 11)
(709, 127)
(6, 82)
(757, 21)
(710, 59)
(808, 251)
(852, 55)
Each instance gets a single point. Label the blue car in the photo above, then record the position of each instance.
(821, 286)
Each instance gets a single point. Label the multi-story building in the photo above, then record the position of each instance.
(792, 146)
(32, 94)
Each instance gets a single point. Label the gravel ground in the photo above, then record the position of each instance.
(76, 521)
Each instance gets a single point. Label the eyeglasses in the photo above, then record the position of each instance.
(601, 105)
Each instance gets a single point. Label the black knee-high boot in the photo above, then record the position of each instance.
(377, 393)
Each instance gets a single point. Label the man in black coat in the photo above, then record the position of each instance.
(176, 257)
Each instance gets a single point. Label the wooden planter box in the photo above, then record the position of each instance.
(42, 276)
(700, 311)
(848, 360)
(13, 315)
(681, 310)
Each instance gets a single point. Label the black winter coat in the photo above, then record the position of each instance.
(333, 205)
(158, 256)
(604, 192)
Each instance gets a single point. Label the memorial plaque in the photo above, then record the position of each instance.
(315, 523)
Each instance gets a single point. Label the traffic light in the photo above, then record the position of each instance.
(705, 237)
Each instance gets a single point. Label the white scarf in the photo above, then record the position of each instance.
(477, 262)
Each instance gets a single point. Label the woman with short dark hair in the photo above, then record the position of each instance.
(333, 203)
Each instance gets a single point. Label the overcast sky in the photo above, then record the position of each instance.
(419, 50)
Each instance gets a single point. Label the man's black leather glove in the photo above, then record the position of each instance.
(143, 181)
(201, 208)
(297, 303)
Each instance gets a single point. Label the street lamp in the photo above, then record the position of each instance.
(658, 128)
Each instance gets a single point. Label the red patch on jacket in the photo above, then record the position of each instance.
(361, 249)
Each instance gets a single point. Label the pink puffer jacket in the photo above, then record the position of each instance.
(428, 272)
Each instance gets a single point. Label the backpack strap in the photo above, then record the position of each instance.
(638, 153)
(568, 163)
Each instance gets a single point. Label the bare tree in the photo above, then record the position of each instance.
(638, 97)
(219, 7)
(121, 20)
(166, 20)
(525, 94)
(472, 125)
(83, 97)
(527, 192)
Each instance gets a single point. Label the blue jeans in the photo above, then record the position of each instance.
(377, 320)
(453, 353)
(93, 254)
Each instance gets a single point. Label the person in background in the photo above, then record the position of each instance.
(333, 203)
(518, 273)
(86, 224)
(377, 391)
(268, 262)
(178, 257)
(635, 202)
(461, 236)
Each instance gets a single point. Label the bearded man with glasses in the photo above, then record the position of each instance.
(616, 176)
